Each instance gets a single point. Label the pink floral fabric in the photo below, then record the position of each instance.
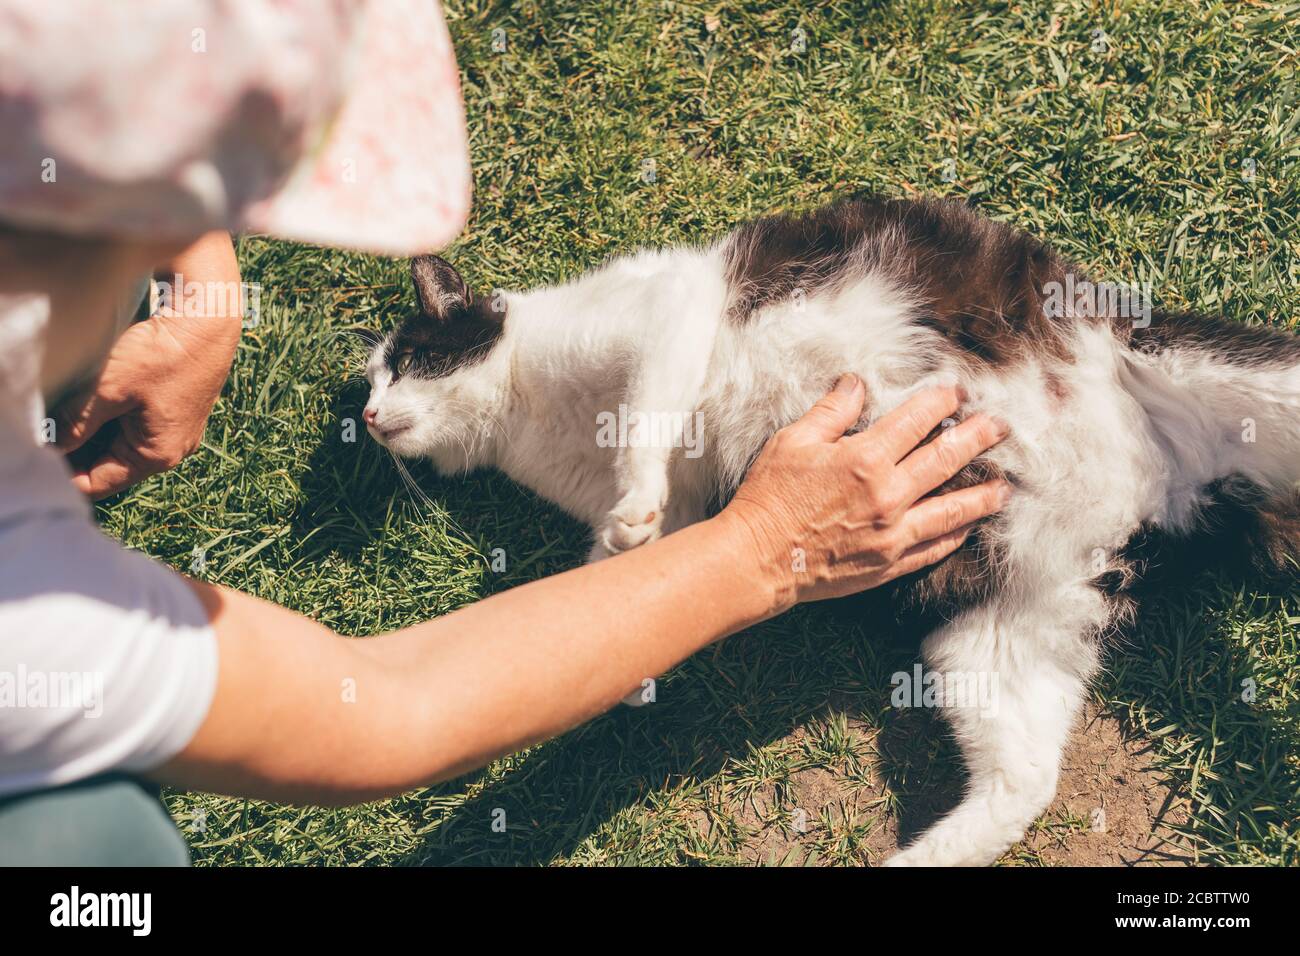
(336, 122)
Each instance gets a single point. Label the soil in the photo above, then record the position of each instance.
(1113, 807)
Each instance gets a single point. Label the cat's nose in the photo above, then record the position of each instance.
(369, 415)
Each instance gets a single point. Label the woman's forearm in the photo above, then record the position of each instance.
(536, 660)
(304, 715)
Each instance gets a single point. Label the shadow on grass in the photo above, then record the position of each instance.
(348, 486)
(757, 688)
(1180, 679)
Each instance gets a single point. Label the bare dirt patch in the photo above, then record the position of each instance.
(1112, 784)
(1113, 807)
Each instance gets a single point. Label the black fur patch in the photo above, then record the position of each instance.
(1240, 530)
(777, 257)
(1252, 346)
(452, 330)
(983, 285)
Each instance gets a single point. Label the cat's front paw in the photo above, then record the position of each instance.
(631, 523)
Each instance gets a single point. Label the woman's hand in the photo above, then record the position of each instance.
(842, 513)
(151, 403)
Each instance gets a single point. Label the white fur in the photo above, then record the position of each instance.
(1135, 440)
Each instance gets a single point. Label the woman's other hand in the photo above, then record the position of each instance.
(161, 379)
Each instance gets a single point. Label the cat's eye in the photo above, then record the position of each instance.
(403, 363)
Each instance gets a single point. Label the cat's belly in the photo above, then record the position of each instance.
(581, 483)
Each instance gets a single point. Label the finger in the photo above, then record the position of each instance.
(900, 431)
(835, 413)
(928, 552)
(80, 416)
(931, 465)
(113, 471)
(934, 517)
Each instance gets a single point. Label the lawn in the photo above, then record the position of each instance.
(1164, 148)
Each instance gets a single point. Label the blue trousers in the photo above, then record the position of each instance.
(104, 821)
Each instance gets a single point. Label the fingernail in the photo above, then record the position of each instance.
(847, 384)
(962, 394)
(1004, 494)
(1003, 428)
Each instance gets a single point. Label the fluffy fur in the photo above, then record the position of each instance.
(1124, 433)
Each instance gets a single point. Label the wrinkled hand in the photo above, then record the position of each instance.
(842, 513)
(151, 402)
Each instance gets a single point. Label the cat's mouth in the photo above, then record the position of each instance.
(387, 433)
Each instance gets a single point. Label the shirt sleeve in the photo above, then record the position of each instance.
(107, 660)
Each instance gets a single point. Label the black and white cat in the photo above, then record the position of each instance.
(1128, 428)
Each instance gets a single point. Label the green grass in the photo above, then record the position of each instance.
(1129, 160)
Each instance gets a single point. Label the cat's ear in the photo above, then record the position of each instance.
(439, 287)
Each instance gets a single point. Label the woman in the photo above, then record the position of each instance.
(198, 686)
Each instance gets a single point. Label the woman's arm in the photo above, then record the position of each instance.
(303, 715)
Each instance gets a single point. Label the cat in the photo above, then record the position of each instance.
(1130, 429)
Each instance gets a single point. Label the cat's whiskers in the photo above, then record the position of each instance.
(423, 501)
(422, 498)
(353, 345)
(476, 433)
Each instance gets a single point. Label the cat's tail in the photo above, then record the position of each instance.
(1223, 400)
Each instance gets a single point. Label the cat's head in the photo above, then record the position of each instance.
(432, 379)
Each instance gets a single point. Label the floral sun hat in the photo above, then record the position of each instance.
(336, 122)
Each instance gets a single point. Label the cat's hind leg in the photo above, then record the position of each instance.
(1033, 664)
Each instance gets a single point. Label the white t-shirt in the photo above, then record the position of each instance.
(107, 661)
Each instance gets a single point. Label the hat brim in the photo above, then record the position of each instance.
(391, 174)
